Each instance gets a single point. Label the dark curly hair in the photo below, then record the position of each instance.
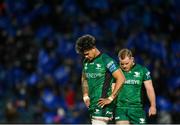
(85, 43)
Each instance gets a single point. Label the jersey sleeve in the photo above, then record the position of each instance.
(110, 63)
(147, 75)
(84, 64)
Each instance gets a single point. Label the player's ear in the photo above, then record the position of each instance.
(94, 49)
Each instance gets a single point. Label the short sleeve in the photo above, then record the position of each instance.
(147, 74)
(110, 63)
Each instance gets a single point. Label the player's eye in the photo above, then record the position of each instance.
(85, 54)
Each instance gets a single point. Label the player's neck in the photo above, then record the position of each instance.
(133, 64)
(97, 52)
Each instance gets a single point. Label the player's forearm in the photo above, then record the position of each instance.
(150, 92)
(85, 91)
(118, 85)
(119, 76)
(84, 85)
(152, 97)
(152, 100)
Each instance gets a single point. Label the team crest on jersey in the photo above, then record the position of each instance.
(97, 111)
(148, 74)
(98, 66)
(142, 120)
(136, 74)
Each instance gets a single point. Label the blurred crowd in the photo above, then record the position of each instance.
(40, 70)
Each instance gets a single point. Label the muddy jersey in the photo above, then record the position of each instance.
(98, 73)
(130, 94)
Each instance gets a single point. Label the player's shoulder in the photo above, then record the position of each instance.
(139, 66)
(105, 56)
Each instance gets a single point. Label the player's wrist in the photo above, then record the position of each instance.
(86, 97)
(153, 106)
(111, 98)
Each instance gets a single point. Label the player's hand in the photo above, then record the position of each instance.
(104, 101)
(152, 111)
(86, 101)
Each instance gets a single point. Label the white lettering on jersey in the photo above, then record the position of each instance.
(93, 75)
(131, 81)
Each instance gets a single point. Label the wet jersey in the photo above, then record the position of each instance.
(130, 94)
(98, 73)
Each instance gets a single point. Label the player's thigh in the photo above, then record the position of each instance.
(122, 123)
(98, 122)
(137, 116)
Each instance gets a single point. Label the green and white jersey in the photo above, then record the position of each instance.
(130, 93)
(98, 73)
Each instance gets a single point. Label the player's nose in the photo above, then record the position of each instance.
(124, 67)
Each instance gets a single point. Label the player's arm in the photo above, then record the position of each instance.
(151, 96)
(119, 77)
(84, 85)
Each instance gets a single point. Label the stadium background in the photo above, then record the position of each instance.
(40, 71)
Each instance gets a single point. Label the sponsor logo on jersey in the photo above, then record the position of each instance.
(132, 82)
(93, 75)
(111, 66)
(136, 74)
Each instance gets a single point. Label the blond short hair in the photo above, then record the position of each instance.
(124, 53)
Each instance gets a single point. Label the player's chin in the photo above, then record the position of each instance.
(125, 70)
(90, 59)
